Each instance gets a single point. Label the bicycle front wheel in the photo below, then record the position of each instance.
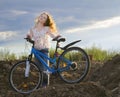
(20, 82)
(73, 65)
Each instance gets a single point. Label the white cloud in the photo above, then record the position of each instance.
(97, 25)
(18, 12)
(7, 35)
(67, 19)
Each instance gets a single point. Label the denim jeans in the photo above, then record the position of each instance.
(46, 77)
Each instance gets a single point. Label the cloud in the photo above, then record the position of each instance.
(97, 25)
(67, 19)
(8, 35)
(7, 13)
(18, 12)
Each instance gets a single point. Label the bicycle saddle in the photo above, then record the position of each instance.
(58, 39)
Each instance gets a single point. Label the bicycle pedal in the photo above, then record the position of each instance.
(55, 74)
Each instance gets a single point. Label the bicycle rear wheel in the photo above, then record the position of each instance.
(23, 84)
(73, 65)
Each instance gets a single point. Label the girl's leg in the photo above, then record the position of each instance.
(46, 77)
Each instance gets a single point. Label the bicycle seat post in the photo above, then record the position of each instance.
(56, 49)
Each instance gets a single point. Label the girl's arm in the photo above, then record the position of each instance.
(52, 34)
(30, 34)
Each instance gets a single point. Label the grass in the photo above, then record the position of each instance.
(100, 54)
(6, 55)
(97, 54)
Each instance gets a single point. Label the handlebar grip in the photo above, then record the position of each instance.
(29, 40)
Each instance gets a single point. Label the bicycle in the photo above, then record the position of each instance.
(72, 66)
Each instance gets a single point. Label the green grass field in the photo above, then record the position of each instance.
(96, 53)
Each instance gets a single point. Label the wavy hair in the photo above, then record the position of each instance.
(49, 22)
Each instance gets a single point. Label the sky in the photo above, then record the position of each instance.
(95, 22)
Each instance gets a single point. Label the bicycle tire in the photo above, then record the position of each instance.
(79, 67)
(22, 84)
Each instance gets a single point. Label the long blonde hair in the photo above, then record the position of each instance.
(49, 22)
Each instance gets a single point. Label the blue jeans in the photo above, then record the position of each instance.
(46, 77)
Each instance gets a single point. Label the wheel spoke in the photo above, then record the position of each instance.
(77, 62)
(23, 84)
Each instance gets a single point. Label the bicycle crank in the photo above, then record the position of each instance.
(73, 66)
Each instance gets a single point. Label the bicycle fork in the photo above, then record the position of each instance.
(27, 68)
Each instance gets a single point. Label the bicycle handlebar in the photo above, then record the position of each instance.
(29, 40)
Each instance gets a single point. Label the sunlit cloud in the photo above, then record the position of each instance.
(8, 35)
(97, 25)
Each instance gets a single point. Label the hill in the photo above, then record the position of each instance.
(103, 80)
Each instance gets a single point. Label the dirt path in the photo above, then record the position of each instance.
(102, 81)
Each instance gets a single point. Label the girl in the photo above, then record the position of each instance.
(44, 27)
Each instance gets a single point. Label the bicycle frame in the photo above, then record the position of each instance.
(39, 55)
(33, 77)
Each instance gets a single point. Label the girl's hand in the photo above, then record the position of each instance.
(28, 36)
(56, 38)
